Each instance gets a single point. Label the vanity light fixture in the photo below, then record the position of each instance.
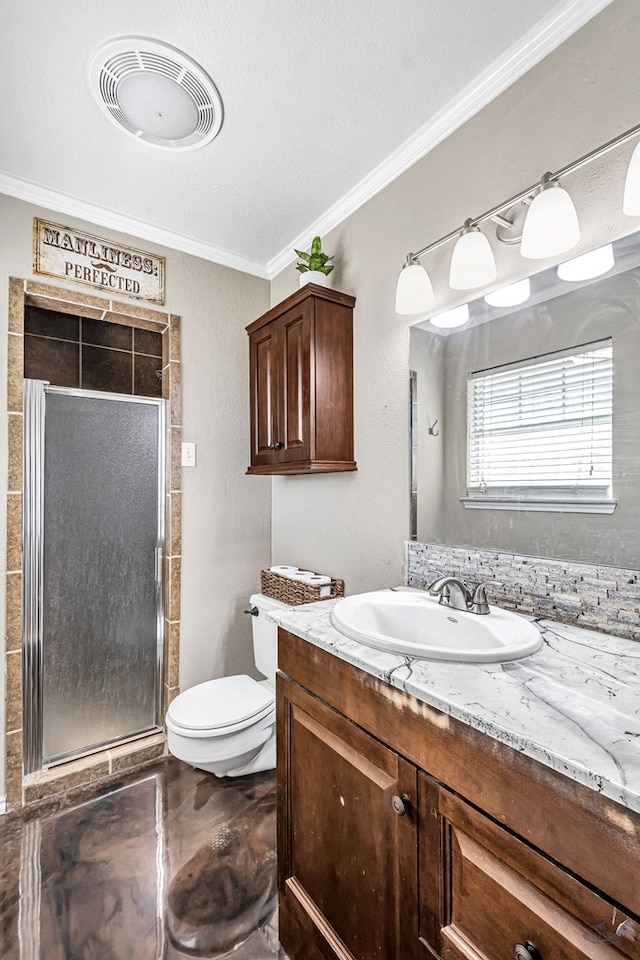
(551, 225)
(414, 292)
(451, 318)
(552, 229)
(511, 295)
(589, 265)
(472, 262)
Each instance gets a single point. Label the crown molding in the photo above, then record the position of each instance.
(101, 216)
(533, 47)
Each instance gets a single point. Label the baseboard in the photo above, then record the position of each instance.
(3, 805)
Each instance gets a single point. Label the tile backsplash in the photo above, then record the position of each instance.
(587, 595)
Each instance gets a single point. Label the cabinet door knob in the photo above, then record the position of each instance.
(277, 445)
(526, 951)
(400, 804)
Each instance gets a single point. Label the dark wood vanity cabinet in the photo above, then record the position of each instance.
(486, 893)
(405, 834)
(349, 856)
(301, 384)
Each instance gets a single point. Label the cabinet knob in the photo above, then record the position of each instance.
(526, 951)
(277, 445)
(400, 804)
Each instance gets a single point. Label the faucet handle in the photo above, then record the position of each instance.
(479, 599)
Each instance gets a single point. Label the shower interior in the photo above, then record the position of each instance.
(93, 602)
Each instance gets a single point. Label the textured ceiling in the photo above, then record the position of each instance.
(323, 104)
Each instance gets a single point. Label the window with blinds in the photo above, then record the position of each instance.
(542, 428)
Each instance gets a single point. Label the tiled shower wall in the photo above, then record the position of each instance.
(44, 298)
(78, 352)
(587, 595)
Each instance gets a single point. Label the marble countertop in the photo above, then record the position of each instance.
(574, 706)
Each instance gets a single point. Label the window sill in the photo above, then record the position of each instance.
(539, 505)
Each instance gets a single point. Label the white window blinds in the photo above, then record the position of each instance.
(543, 427)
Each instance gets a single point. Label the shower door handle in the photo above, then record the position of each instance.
(159, 566)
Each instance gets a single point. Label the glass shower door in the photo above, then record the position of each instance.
(99, 615)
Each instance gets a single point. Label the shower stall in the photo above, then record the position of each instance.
(93, 543)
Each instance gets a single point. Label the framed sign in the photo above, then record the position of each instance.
(75, 255)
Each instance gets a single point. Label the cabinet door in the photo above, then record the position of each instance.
(263, 374)
(488, 894)
(347, 852)
(296, 384)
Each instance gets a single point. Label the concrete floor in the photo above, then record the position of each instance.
(170, 862)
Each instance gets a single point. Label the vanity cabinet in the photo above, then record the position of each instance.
(485, 893)
(301, 384)
(350, 856)
(406, 834)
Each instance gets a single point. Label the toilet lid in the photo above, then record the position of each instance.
(226, 702)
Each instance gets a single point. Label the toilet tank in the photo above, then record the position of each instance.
(265, 634)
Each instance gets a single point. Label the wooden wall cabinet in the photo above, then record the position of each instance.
(405, 834)
(301, 384)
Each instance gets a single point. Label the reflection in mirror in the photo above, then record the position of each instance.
(538, 406)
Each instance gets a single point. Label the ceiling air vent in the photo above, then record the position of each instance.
(155, 93)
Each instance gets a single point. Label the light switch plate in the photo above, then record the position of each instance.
(188, 454)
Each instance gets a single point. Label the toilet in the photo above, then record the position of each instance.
(228, 726)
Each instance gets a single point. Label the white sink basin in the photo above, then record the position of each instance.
(415, 624)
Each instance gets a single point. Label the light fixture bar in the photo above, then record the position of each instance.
(524, 194)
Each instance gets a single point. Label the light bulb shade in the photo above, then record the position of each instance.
(452, 318)
(510, 296)
(158, 106)
(631, 201)
(414, 293)
(472, 262)
(551, 225)
(592, 264)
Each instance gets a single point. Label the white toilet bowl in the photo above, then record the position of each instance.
(227, 726)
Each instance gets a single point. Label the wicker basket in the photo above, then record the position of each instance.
(294, 592)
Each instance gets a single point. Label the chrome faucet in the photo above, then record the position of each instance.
(453, 593)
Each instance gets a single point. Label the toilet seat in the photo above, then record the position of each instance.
(220, 707)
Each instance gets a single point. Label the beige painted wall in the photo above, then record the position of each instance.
(226, 515)
(583, 94)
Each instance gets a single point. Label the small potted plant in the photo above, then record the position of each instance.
(315, 266)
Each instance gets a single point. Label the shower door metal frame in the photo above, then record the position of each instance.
(35, 392)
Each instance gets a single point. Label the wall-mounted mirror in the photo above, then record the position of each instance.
(536, 449)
